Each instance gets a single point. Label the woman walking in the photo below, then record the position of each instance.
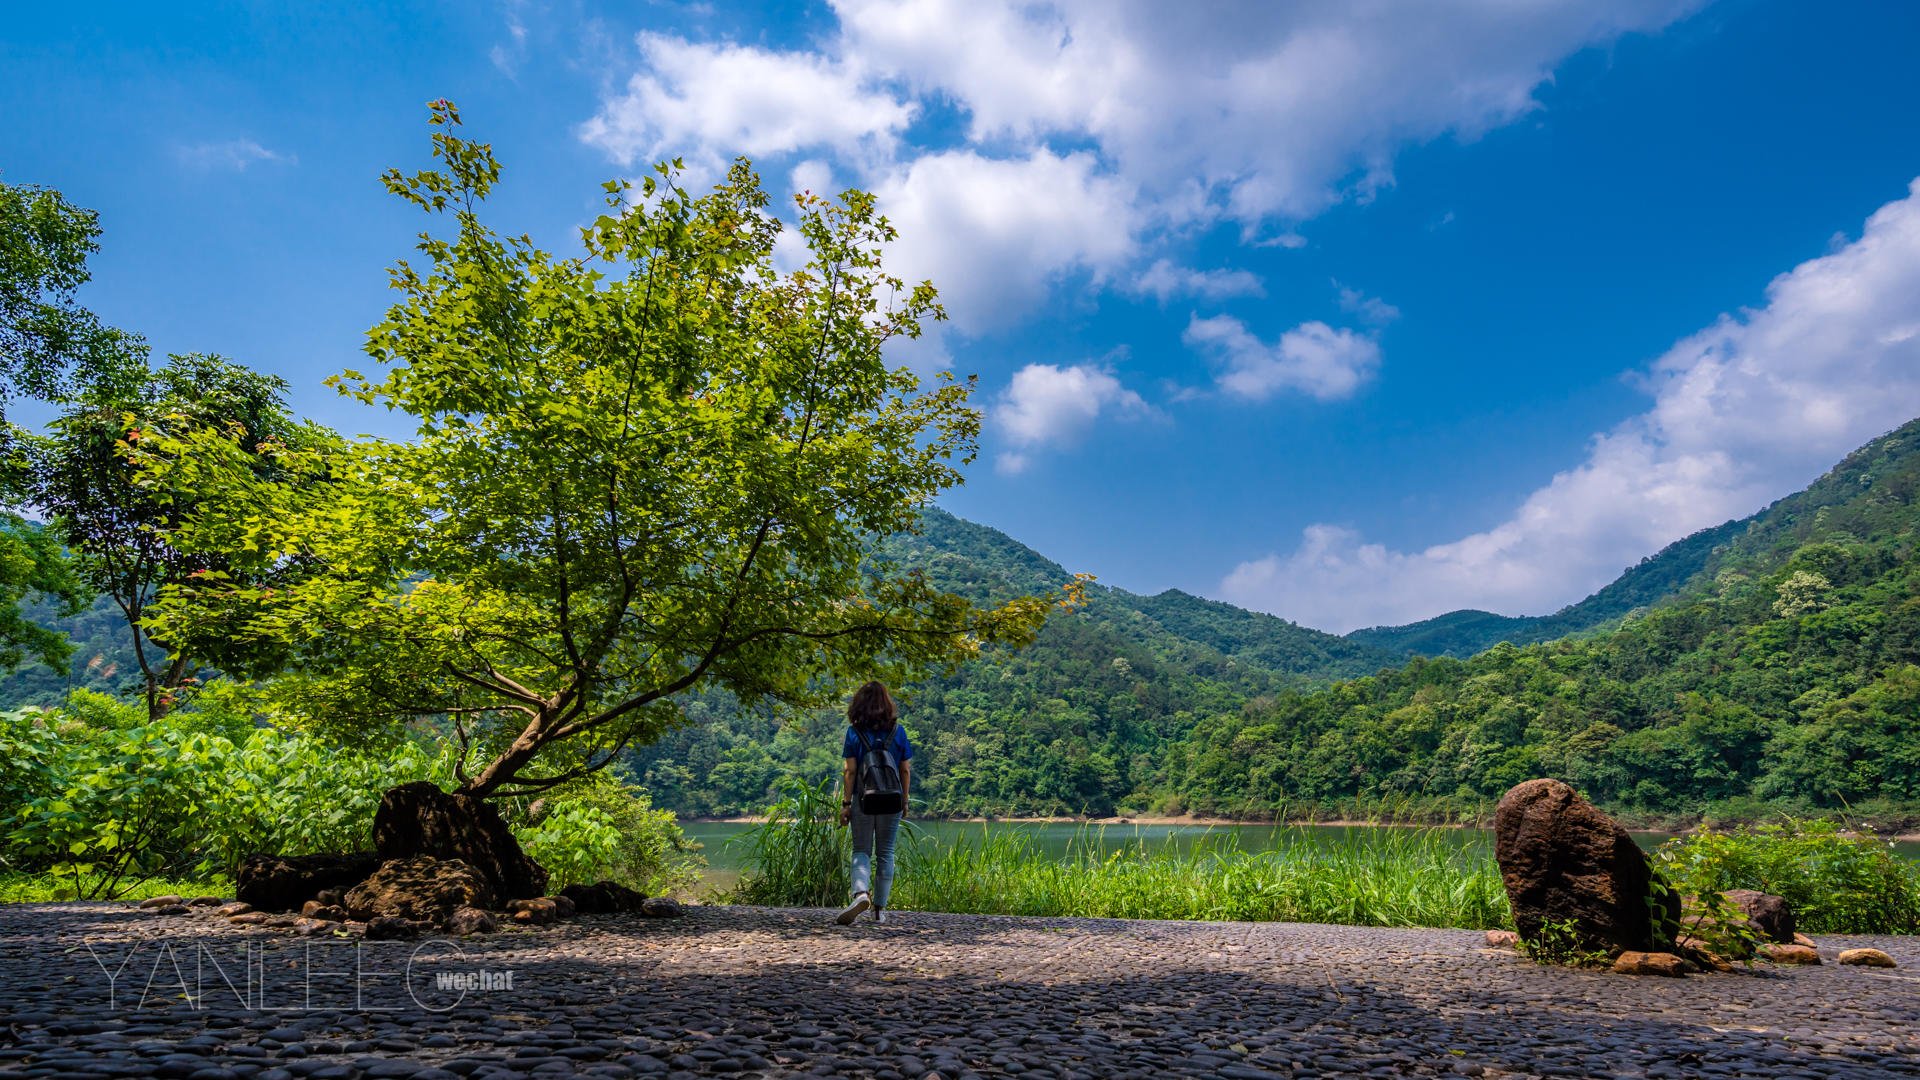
(875, 746)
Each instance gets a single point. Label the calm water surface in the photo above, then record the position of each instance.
(1057, 838)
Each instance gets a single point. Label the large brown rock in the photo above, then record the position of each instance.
(285, 882)
(1563, 860)
(1771, 915)
(420, 888)
(419, 819)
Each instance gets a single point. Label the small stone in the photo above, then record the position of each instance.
(249, 918)
(390, 928)
(172, 909)
(206, 901)
(1802, 939)
(161, 901)
(471, 921)
(332, 897)
(1866, 958)
(1790, 954)
(235, 908)
(563, 906)
(535, 912)
(1503, 939)
(314, 909)
(661, 907)
(1658, 963)
(306, 927)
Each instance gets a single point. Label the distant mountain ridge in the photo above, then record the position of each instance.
(1670, 575)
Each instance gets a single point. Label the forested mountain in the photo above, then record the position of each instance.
(1781, 675)
(102, 657)
(1658, 577)
(1766, 664)
(1081, 721)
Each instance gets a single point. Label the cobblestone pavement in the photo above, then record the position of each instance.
(91, 990)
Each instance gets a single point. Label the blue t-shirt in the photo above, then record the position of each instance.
(902, 749)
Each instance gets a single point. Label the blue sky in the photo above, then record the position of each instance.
(1353, 312)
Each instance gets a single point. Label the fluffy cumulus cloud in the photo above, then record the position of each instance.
(1264, 110)
(712, 101)
(1093, 129)
(1313, 358)
(1050, 406)
(993, 234)
(1744, 411)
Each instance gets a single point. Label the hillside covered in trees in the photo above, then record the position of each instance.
(1767, 663)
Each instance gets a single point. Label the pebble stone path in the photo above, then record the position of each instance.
(751, 992)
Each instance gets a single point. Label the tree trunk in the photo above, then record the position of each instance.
(420, 819)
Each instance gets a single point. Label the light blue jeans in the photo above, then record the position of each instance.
(873, 843)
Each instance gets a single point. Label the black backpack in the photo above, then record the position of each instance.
(876, 778)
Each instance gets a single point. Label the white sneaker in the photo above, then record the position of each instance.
(879, 915)
(861, 902)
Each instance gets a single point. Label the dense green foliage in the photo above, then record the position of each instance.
(118, 524)
(96, 800)
(48, 341)
(1839, 882)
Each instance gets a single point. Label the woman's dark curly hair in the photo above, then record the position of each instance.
(871, 709)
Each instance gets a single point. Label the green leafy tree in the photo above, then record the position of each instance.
(658, 465)
(118, 524)
(47, 340)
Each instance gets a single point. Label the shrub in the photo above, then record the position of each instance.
(603, 828)
(1838, 881)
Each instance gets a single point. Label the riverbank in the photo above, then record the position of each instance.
(758, 993)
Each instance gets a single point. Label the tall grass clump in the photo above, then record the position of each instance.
(1364, 877)
(798, 856)
(1838, 881)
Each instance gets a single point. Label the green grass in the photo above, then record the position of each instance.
(1370, 877)
(18, 888)
(1838, 882)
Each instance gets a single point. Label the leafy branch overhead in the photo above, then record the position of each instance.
(657, 465)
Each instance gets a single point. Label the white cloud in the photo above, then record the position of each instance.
(1050, 406)
(1164, 281)
(1155, 116)
(993, 234)
(234, 154)
(1278, 109)
(1371, 309)
(1313, 358)
(1747, 410)
(812, 175)
(715, 101)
